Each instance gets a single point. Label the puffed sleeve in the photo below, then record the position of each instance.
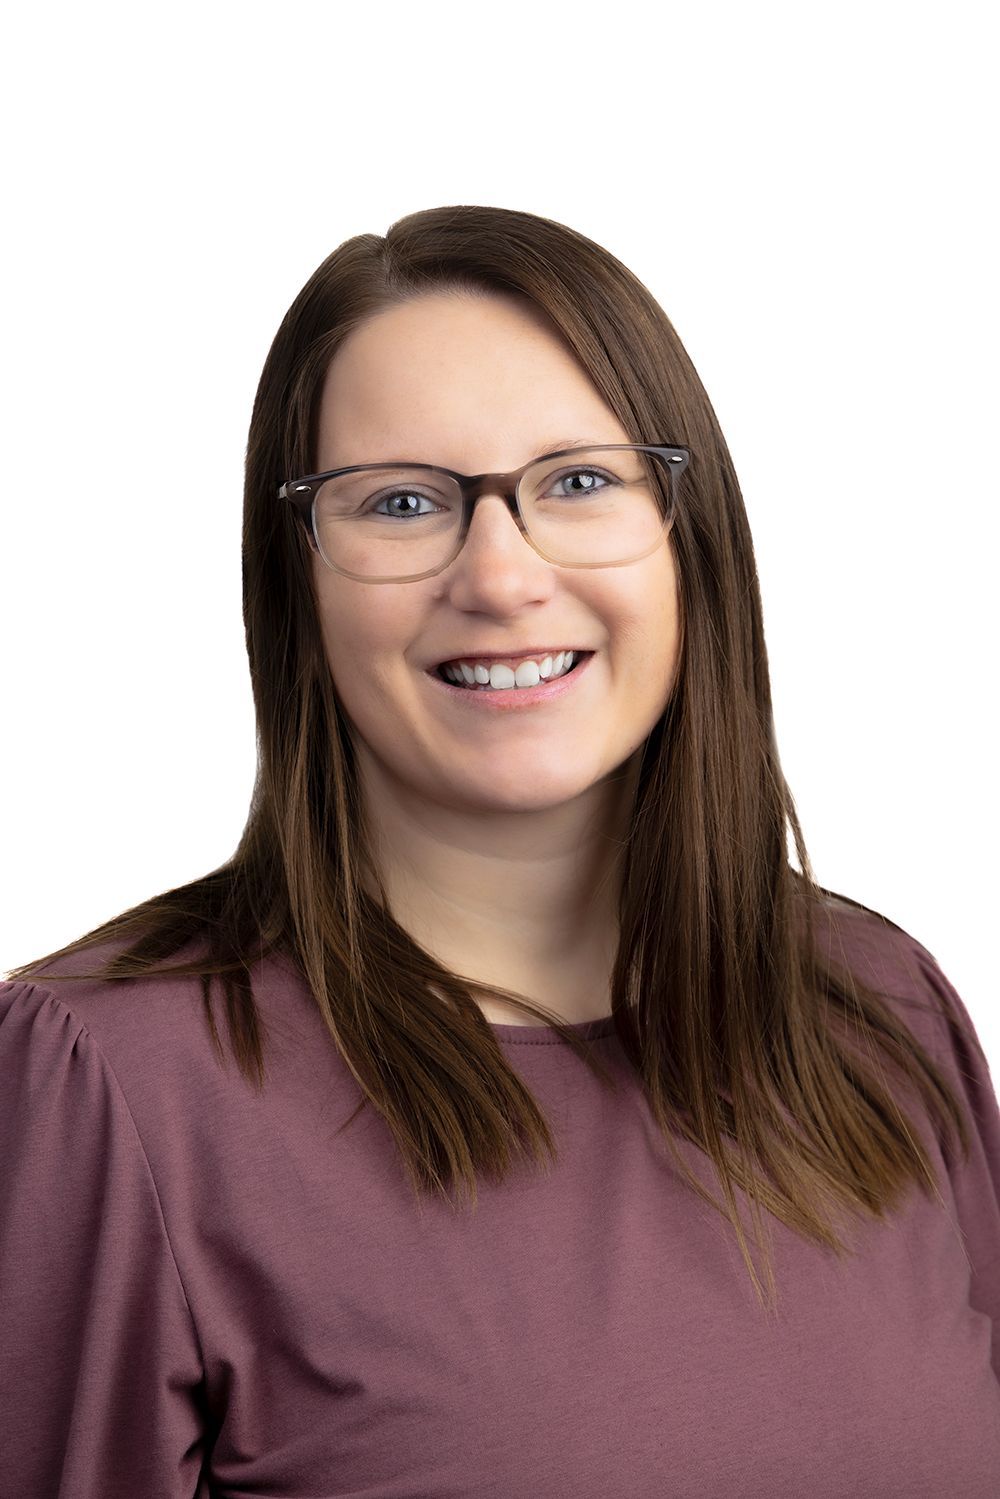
(975, 1184)
(100, 1372)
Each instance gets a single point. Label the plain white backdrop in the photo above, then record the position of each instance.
(810, 193)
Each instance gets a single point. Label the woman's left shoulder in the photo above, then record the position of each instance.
(893, 961)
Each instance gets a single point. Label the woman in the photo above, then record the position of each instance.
(512, 915)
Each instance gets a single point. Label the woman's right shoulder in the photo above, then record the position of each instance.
(140, 1025)
(70, 991)
(84, 1252)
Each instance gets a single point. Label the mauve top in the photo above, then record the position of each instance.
(210, 1292)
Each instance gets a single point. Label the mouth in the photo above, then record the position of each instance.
(543, 665)
(504, 694)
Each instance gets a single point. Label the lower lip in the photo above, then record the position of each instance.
(510, 699)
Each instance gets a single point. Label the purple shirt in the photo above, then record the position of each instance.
(209, 1292)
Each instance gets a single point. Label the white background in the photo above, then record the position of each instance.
(808, 192)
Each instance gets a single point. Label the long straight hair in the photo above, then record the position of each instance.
(748, 1041)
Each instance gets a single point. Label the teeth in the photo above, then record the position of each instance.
(499, 677)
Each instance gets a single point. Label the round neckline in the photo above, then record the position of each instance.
(547, 1035)
(533, 1035)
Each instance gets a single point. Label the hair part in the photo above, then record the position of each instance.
(748, 1042)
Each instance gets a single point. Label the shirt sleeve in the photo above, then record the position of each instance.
(975, 1183)
(100, 1371)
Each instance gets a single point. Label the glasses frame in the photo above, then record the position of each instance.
(301, 493)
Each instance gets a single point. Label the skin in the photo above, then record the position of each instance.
(497, 835)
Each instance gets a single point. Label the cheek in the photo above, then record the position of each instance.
(352, 626)
(664, 650)
(363, 642)
(346, 646)
(649, 647)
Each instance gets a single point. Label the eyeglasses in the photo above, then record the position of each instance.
(601, 506)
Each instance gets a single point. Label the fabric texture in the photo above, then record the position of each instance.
(205, 1291)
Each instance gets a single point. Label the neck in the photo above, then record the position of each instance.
(525, 900)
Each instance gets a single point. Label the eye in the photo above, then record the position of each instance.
(401, 494)
(590, 473)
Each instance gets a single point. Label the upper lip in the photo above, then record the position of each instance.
(524, 653)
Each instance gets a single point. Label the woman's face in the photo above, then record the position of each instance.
(483, 385)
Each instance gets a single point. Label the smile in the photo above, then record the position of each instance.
(501, 693)
(501, 675)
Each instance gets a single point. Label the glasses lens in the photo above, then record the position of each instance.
(589, 507)
(388, 522)
(596, 505)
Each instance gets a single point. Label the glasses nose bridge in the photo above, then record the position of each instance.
(478, 486)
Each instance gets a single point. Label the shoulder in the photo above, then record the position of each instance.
(130, 1066)
(870, 947)
(145, 1030)
(118, 1015)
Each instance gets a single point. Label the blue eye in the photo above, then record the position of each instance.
(399, 494)
(591, 473)
(377, 504)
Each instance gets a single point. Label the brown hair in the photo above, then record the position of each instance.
(730, 1016)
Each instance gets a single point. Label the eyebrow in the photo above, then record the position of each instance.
(557, 444)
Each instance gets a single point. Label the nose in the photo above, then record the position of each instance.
(494, 518)
(494, 493)
(497, 568)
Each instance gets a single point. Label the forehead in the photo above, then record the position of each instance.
(471, 383)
